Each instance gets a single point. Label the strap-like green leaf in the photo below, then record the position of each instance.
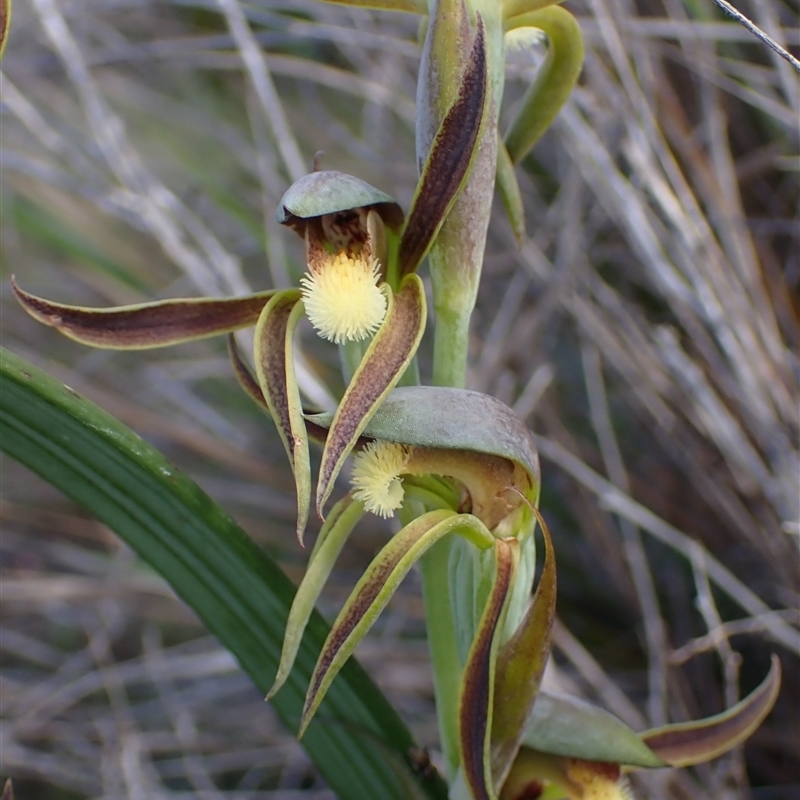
(275, 370)
(375, 589)
(449, 160)
(554, 81)
(686, 743)
(147, 325)
(476, 699)
(332, 537)
(387, 357)
(520, 666)
(359, 742)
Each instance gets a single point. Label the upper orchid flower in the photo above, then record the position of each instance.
(361, 282)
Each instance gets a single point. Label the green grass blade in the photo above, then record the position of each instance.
(358, 741)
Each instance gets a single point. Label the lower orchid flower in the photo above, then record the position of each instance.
(451, 463)
(456, 463)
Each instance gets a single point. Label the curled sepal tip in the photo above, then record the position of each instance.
(520, 666)
(449, 160)
(476, 698)
(386, 359)
(554, 81)
(275, 370)
(375, 589)
(332, 537)
(147, 325)
(684, 744)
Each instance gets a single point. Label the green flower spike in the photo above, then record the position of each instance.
(355, 289)
(573, 750)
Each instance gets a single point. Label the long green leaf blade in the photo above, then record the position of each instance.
(358, 741)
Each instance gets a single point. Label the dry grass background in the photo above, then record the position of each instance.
(647, 330)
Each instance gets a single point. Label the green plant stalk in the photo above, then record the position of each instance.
(450, 346)
(455, 261)
(443, 649)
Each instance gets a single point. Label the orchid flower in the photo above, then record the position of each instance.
(361, 283)
(459, 464)
(451, 463)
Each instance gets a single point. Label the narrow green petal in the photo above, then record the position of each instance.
(686, 743)
(508, 186)
(275, 370)
(476, 700)
(147, 325)
(520, 666)
(449, 160)
(555, 80)
(332, 537)
(383, 364)
(375, 589)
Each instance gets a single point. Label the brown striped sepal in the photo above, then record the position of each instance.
(476, 698)
(146, 325)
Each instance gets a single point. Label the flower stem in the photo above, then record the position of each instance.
(443, 649)
(450, 347)
(449, 369)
